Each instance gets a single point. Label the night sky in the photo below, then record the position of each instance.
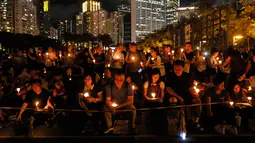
(65, 9)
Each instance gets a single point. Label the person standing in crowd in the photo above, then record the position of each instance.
(250, 68)
(119, 95)
(180, 87)
(200, 64)
(212, 62)
(69, 56)
(51, 57)
(154, 62)
(99, 61)
(189, 59)
(108, 57)
(118, 58)
(167, 57)
(31, 58)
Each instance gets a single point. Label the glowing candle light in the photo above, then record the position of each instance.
(114, 105)
(203, 58)
(153, 95)
(39, 54)
(44, 71)
(60, 55)
(249, 88)
(86, 94)
(182, 50)
(47, 54)
(169, 53)
(152, 58)
(220, 62)
(36, 104)
(18, 90)
(217, 58)
(231, 103)
(69, 55)
(172, 51)
(108, 65)
(197, 90)
(133, 58)
(133, 87)
(94, 61)
(117, 57)
(70, 78)
(249, 98)
(141, 63)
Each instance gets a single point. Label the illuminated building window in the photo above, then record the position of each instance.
(46, 6)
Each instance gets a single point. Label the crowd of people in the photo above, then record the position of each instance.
(115, 80)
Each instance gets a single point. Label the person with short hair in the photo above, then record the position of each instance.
(119, 95)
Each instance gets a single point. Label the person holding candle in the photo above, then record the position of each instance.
(167, 57)
(69, 56)
(99, 61)
(219, 112)
(180, 88)
(51, 57)
(120, 94)
(118, 58)
(154, 62)
(31, 57)
(212, 62)
(250, 67)
(200, 64)
(37, 98)
(91, 99)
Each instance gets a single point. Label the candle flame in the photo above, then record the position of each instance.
(133, 58)
(182, 50)
(249, 88)
(133, 87)
(36, 104)
(231, 103)
(153, 95)
(18, 89)
(249, 98)
(69, 55)
(114, 105)
(47, 53)
(86, 94)
(220, 62)
(172, 51)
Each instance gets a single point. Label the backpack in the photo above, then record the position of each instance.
(176, 122)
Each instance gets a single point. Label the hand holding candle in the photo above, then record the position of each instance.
(153, 95)
(249, 98)
(249, 88)
(86, 94)
(114, 105)
(182, 50)
(220, 62)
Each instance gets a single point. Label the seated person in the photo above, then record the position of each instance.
(180, 87)
(241, 108)
(37, 98)
(217, 93)
(154, 90)
(91, 99)
(59, 96)
(107, 77)
(119, 95)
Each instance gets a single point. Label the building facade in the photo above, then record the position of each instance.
(79, 24)
(7, 15)
(115, 27)
(18, 16)
(44, 17)
(171, 11)
(147, 16)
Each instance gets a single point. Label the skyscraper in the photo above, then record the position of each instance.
(79, 23)
(147, 16)
(18, 16)
(171, 11)
(7, 15)
(43, 17)
(124, 10)
(94, 17)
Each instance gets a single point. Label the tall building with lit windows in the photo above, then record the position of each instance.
(79, 23)
(171, 11)
(147, 16)
(43, 17)
(18, 16)
(7, 15)
(94, 17)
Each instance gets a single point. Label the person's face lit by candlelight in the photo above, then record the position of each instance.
(88, 81)
(132, 47)
(155, 78)
(153, 53)
(237, 89)
(36, 87)
(220, 86)
(188, 47)
(128, 79)
(119, 80)
(178, 69)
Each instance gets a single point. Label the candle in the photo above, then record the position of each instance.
(141, 63)
(203, 58)
(195, 83)
(94, 61)
(69, 55)
(198, 48)
(249, 88)
(60, 55)
(172, 51)
(117, 57)
(86, 94)
(220, 62)
(114, 105)
(169, 53)
(133, 58)
(44, 71)
(18, 90)
(108, 65)
(249, 98)
(217, 58)
(153, 95)
(182, 50)
(197, 90)
(47, 54)
(70, 78)
(133, 87)
(39, 54)
(231, 103)
(152, 58)
(36, 104)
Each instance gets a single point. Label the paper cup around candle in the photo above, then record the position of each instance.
(231, 103)
(36, 104)
(70, 78)
(169, 53)
(249, 98)
(47, 53)
(249, 88)
(133, 87)
(172, 51)
(153, 95)
(182, 50)
(69, 55)
(220, 62)
(133, 58)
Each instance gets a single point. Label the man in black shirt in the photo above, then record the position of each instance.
(37, 98)
(180, 87)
